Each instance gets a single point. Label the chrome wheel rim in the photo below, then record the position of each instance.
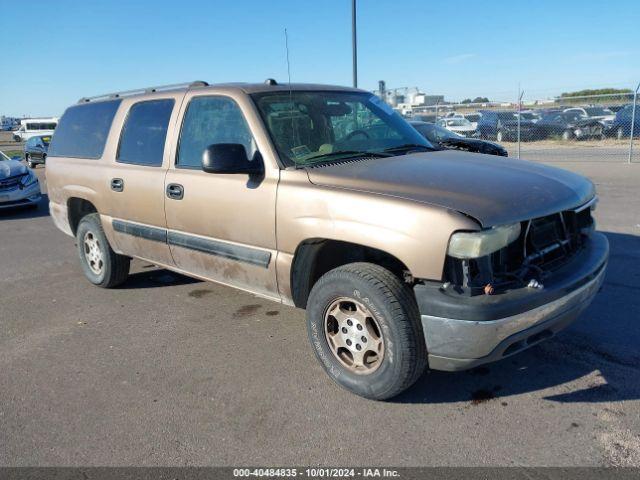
(93, 253)
(354, 336)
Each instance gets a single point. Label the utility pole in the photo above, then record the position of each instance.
(354, 43)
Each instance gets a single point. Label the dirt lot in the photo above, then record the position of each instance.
(171, 371)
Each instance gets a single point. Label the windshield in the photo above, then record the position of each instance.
(458, 122)
(598, 111)
(436, 133)
(506, 116)
(310, 127)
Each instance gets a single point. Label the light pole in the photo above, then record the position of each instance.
(354, 43)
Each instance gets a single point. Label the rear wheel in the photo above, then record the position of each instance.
(499, 136)
(619, 133)
(101, 265)
(364, 326)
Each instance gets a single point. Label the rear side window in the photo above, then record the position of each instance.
(144, 133)
(83, 130)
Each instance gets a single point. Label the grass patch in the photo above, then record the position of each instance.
(12, 153)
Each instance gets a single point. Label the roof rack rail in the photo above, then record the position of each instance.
(137, 91)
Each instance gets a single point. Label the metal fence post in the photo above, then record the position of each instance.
(633, 123)
(519, 115)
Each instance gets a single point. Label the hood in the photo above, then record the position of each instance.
(493, 190)
(11, 168)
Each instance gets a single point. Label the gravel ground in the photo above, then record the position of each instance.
(171, 371)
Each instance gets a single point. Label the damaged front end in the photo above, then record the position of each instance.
(508, 288)
(528, 254)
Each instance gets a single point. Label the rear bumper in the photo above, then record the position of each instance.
(491, 328)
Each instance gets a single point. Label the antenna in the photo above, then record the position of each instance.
(286, 47)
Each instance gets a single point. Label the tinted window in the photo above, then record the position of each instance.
(144, 133)
(83, 130)
(211, 120)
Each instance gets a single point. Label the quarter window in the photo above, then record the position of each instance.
(144, 133)
(211, 120)
(83, 130)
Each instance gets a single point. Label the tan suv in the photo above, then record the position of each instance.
(325, 199)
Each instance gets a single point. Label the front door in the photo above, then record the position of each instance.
(221, 226)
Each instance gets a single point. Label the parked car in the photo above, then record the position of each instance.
(503, 126)
(35, 150)
(528, 115)
(447, 140)
(569, 126)
(621, 125)
(596, 113)
(34, 127)
(392, 246)
(473, 118)
(19, 186)
(459, 125)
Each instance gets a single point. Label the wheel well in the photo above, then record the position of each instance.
(315, 257)
(78, 208)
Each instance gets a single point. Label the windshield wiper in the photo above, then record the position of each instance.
(408, 146)
(347, 154)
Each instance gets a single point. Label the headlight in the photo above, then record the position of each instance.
(29, 179)
(478, 244)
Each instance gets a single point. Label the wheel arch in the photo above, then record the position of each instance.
(77, 208)
(314, 257)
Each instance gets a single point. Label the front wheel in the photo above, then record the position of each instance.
(499, 136)
(364, 326)
(567, 135)
(101, 265)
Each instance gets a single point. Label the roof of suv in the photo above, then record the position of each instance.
(249, 88)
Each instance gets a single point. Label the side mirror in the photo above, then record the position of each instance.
(229, 158)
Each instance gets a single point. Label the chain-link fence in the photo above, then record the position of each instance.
(599, 128)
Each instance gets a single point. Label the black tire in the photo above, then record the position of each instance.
(44, 159)
(114, 268)
(393, 306)
(30, 164)
(499, 136)
(620, 133)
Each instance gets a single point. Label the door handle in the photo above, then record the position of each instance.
(117, 184)
(175, 191)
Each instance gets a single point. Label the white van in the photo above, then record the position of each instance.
(32, 127)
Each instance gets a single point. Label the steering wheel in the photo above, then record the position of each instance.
(357, 132)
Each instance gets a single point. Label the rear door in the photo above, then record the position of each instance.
(136, 177)
(222, 226)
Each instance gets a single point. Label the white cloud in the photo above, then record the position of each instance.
(459, 58)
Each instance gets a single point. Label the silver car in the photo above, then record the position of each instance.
(19, 186)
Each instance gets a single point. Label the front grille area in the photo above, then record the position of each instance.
(10, 183)
(544, 245)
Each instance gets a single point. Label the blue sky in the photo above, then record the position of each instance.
(58, 51)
